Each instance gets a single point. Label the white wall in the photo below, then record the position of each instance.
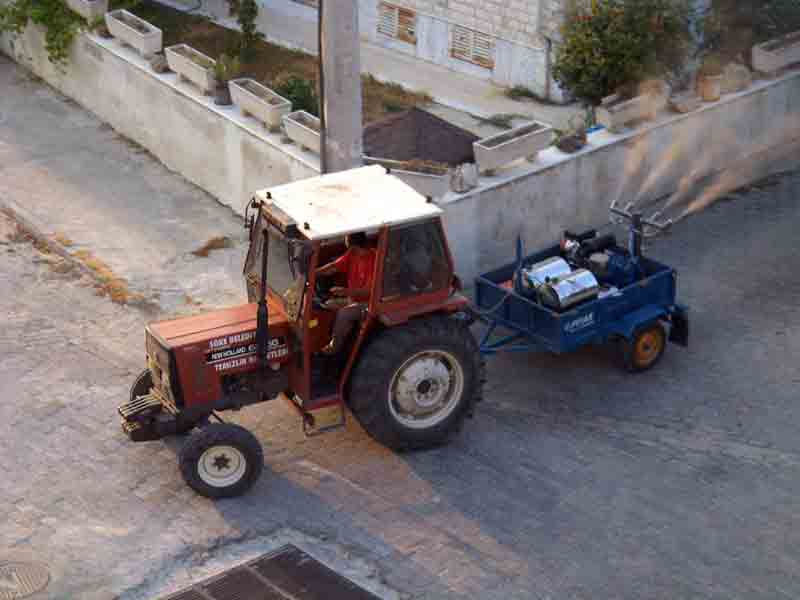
(682, 162)
(214, 147)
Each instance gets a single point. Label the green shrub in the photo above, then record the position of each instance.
(60, 23)
(621, 42)
(301, 92)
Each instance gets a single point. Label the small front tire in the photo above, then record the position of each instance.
(221, 461)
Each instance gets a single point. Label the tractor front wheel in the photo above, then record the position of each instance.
(221, 460)
(415, 383)
(142, 385)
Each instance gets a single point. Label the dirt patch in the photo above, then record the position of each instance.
(216, 243)
(270, 62)
(108, 283)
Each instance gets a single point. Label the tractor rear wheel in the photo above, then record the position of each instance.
(415, 383)
(141, 386)
(221, 460)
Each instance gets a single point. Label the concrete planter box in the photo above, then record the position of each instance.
(521, 142)
(303, 129)
(260, 102)
(134, 32)
(430, 185)
(774, 55)
(615, 112)
(89, 9)
(192, 65)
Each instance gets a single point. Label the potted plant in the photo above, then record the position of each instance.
(260, 102)
(575, 137)
(145, 38)
(303, 128)
(520, 142)
(429, 178)
(226, 69)
(773, 55)
(709, 79)
(89, 9)
(192, 65)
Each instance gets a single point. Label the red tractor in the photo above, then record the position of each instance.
(408, 367)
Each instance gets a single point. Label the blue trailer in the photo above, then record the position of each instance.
(640, 316)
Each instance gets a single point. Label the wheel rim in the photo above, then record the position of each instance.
(426, 389)
(221, 466)
(648, 347)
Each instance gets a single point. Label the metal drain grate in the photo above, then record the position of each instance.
(286, 574)
(20, 580)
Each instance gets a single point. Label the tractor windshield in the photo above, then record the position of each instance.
(287, 270)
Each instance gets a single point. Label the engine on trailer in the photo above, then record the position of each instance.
(588, 267)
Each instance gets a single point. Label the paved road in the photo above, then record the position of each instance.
(574, 480)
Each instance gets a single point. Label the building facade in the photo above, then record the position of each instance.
(508, 42)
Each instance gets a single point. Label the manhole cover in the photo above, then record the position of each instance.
(20, 580)
(286, 574)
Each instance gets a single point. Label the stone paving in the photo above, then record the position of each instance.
(574, 480)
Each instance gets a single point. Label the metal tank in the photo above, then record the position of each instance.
(539, 274)
(566, 292)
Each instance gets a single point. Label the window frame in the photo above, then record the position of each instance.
(472, 46)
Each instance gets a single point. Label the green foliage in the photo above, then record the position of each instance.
(301, 92)
(246, 15)
(732, 27)
(227, 68)
(61, 25)
(621, 42)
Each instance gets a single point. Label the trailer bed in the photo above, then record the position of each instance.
(532, 326)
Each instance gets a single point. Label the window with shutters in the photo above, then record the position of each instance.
(472, 46)
(397, 22)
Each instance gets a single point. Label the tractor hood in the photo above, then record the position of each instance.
(219, 328)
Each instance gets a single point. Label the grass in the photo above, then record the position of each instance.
(502, 120)
(215, 243)
(270, 61)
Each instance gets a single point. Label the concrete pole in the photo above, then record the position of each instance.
(342, 142)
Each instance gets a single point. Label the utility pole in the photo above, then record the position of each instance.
(340, 86)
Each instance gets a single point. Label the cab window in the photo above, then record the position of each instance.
(416, 261)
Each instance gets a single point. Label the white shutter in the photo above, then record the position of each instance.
(472, 46)
(387, 19)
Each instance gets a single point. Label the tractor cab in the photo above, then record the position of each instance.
(298, 229)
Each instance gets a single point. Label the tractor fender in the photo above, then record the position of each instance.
(625, 326)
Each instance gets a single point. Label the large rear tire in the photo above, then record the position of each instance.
(414, 384)
(221, 461)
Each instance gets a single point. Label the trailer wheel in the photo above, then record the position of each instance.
(415, 383)
(221, 460)
(645, 348)
(141, 386)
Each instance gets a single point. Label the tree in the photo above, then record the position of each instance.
(617, 43)
(734, 26)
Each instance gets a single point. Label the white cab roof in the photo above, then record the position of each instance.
(361, 199)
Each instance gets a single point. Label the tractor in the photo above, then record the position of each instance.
(409, 369)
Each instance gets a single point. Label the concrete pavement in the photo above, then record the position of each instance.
(72, 175)
(575, 480)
